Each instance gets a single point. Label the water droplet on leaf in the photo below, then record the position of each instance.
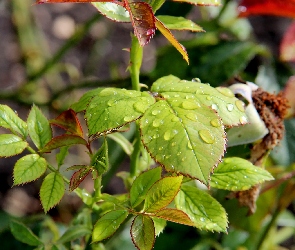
(190, 105)
(192, 116)
(140, 107)
(206, 136)
(225, 91)
(214, 106)
(230, 107)
(189, 145)
(240, 105)
(216, 122)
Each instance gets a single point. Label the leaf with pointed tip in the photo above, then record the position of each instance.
(159, 224)
(112, 108)
(68, 121)
(201, 2)
(10, 120)
(142, 184)
(167, 33)
(62, 141)
(123, 142)
(113, 11)
(267, 7)
(174, 215)
(24, 234)
(52, 190)
(79, 176)
(287, 47)
(108, 224)
(28, 168)
(61, 155)
(179, 23)
(156, 4)
(38, 127)
(237, 174)
(73, 233)
(222, 100)
(143, 20)
(178, 133)
(11, 145)
(162, 193)
(100, 160)
(202, 208)
(143, 232)
(82, 104)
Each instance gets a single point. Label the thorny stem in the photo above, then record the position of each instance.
(136, 53)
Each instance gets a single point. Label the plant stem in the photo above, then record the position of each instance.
(97, 188)
(136, 53)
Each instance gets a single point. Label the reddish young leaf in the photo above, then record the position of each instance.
(61, 141)
(174, 215)
(73, 1)
(69, 121)
(284, 8)
(167, 33)
(287, 48)
(78, 177)
(143, 20)
(289, 91)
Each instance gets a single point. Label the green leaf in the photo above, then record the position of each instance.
(68, 121)
(162, 193)
(159, 225)
(155, 4)
(201, 2)
(38, 127)
(10, 120)
(123, 142)
(108, 224)
(11, 145)
(174, 215)
(73, 233)
(179, 23)
(100, 161)
(24, 234)
(237, 174)
(221, 99)
(169, 36)
(82, 104)
(179, 135)
(28, 168)
(113, 11)
(52, 190)
(203, 209)
(143, 232)
(60, 157)
(112, 108)
(62, 141)
(142, 184)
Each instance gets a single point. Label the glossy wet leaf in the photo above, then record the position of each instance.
(28, 168)
(113, 11)
(62, 141)
(68, 121)
(143, 20)
(83, 102)
(202, 208)
(238, 174)
(179, 135)
(142, 184)
(169, 36)
(73, 233)
(179, 23)
(143, 232)
(24, 234)
(100, 160)
(267, 7)
(108, 224)
(78, 177)
(10, 120)
(11, 145)
(174, 215)
(159, 225)
(287, 47)
(112, 108)
(161, 193)
(52, 190)
(201, 2)
(222, 100)
(38, 127)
